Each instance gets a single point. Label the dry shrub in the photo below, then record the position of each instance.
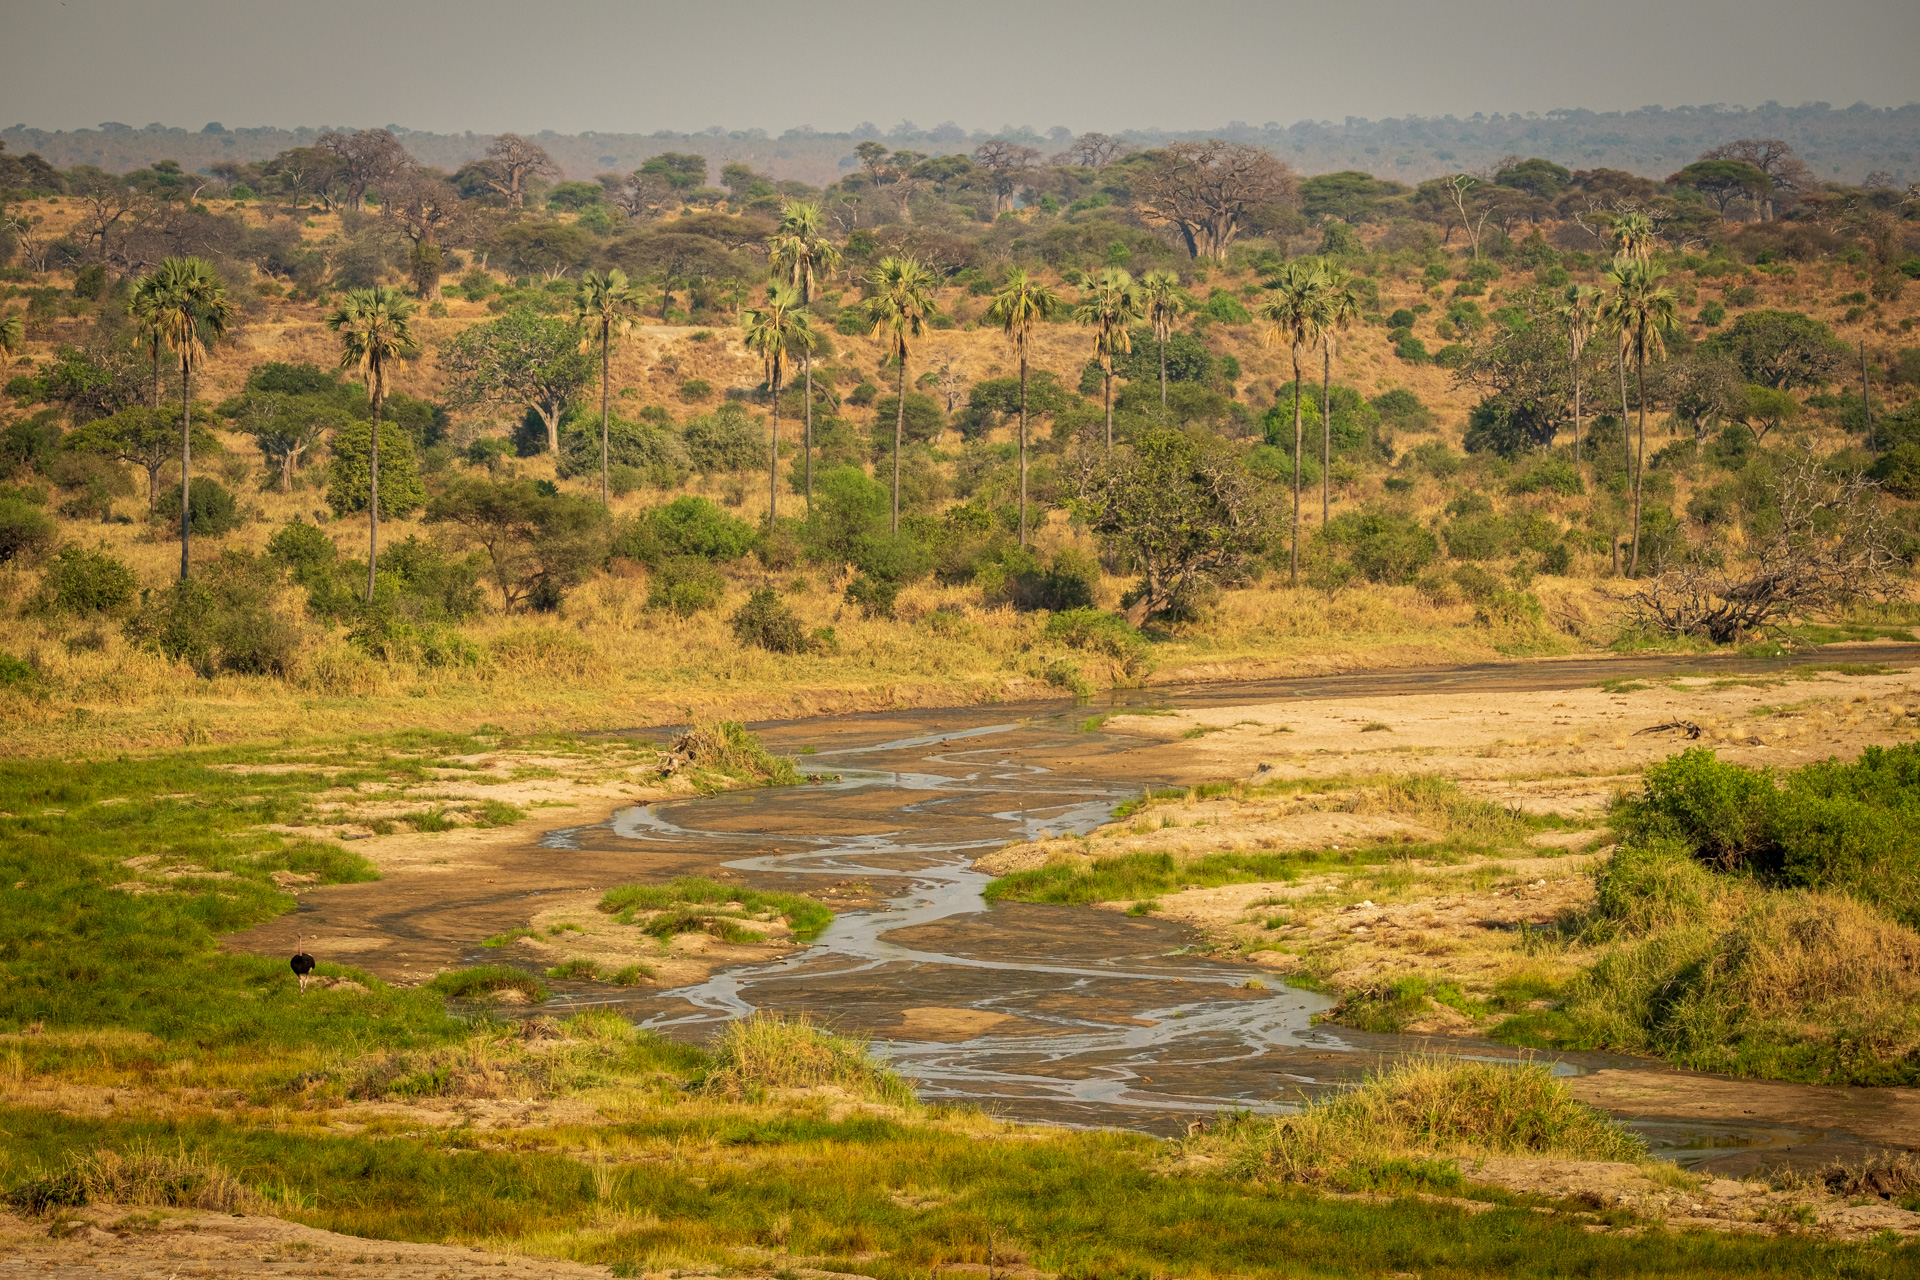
(767, 1051)
(726, 747)
(1422, 1108)
(340, 670)
(545, 651)
(142, 1175)
(1439, 803)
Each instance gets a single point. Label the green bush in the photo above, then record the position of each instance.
(1412, 350)
(1852, 827)
(214, 510)
(219, 621)
(1550, 475)
(728, 439)
(687, 526)
(350, 471)
(685, 585)
(81, 582)
(875, 597)
(1106, 634)
(1385, 546)
(765, 621)
(646, 447)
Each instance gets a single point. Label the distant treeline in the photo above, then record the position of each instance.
(1839, 144)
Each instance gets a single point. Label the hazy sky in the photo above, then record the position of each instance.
(577, 65)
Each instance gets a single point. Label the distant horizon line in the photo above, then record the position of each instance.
(953, 131)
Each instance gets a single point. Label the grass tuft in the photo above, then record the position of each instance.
(767, 1051)
(486, 980)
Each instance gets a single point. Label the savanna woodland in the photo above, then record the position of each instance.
(348, 505)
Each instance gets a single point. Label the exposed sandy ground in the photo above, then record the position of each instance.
(111, 1240)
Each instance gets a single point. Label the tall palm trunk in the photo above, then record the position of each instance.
(1108, 381)
(605, 357)
(899, 432)
(373, 495)
(1640, 465)
(156, 371)
(1326, 423)
(1299, 446)
(186, 464)
(1023, 446)
(1573, 353)
(806, 363)
(1163, 375)
(773, 460)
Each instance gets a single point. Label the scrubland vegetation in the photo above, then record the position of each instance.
(325, 473)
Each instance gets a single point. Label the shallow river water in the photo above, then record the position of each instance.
(1042, 1013)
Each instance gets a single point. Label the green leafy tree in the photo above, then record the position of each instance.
(1724, 181)
(1181, 508)
(285, 428)
(800, 251)
(1781, 349)
(350, 487)
(1112, 304)
(537, 544)
(900, 296)
(147, 438)
(1762, 409)
(522, 360)
(1017, 308)
(607, 303)
(1640, 310)
(1296, 315)
(774, 331)
(1165, 301)
(376, 332)
(189, 308)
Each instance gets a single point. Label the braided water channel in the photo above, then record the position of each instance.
(1056, 1014)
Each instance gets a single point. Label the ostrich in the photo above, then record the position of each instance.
(302, 963)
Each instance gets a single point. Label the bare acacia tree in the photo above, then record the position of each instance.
(428, 210)
(370, 157)
(1207, 190)
(1008, 165)
(510, 161)
(1830, 542)
(1092, 151)
(637, 194)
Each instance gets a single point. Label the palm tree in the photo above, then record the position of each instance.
(1165, 302)
(145, 307)
(13, 335)
(376, 330)
(1296, 315)
(1640, 309)
(1023, 303)
(604, 301)
(1582, 314)
(1343, 308)
(775, 331)
(899, 304)
(1113, 304)
(800, 250)
(1634, 236)
(189, 307)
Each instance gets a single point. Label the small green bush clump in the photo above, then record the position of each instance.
(486, 980)
(767, 1051)
(82, 583)
(766, 621)
(26, 532)
(685, 585)
(212, 506)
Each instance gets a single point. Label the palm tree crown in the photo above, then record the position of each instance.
(1020, 305)
(376, 331)
(799, 249)
(1112, 304)
(899, 305)
(605, 302)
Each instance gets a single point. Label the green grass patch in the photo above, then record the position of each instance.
(510, 936)
(485, 980)
(693, 904)
(1077, 1204)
